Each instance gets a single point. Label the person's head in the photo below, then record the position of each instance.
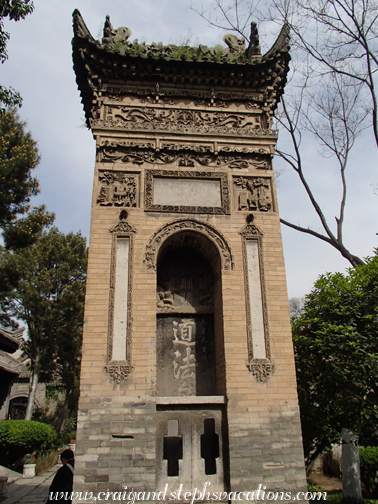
(66, 456)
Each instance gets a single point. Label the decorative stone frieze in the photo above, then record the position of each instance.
(189, 156)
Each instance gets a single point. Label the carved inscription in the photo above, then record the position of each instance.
(184, 363)
(117, 189)
(253, 194)
(185, 351)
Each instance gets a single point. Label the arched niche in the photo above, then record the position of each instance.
(190, 346)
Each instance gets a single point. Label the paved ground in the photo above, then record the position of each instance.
(27, 491)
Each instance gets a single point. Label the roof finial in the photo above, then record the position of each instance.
(254, 43)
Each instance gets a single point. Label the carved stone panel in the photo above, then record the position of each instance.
(118, 189)
(185, 355)
(187, 192)
(253, 194)
(259, 357)
(120, 300)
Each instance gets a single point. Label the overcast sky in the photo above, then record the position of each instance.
(40, 67)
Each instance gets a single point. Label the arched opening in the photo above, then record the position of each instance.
(190, 362)
(190, 347)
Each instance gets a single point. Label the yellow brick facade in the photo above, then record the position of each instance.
(118, 427)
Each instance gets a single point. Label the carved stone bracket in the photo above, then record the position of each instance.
(172, 96)
(261, 369)
(253, 193)
(119, 370)
(183, 155)
(223, 206)
(117, 189)
(176, 226)
(257, 366)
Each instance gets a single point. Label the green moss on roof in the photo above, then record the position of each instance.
(216, 54)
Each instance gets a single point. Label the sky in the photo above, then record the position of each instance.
(40, 68)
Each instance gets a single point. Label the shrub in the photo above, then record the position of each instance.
(19, 437)
(369, 466)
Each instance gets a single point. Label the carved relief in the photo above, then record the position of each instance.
(117, 189)
(184, 155)
(178, 225)
(260, 368)
(229, 130)
(253, 194)
(186, 117)
(119, 370)
(150, 205)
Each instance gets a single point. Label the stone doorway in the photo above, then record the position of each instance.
(190, 364)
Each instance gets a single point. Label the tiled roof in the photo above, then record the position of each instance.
(115, 58)
(10, 340)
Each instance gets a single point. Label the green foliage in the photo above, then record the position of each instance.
(19, 437)
(10, 98)
(369, 466)
(46, 287)
(24, 232)
(336, 351)
(18, 157)
(14, 10)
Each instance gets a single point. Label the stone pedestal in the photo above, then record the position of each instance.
(28, 471)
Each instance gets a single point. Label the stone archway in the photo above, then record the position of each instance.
(190, 361)
(198, 227)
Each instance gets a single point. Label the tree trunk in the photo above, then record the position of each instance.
(34, 379)
(350, 465)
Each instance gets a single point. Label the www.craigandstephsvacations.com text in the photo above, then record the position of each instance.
(131, 497)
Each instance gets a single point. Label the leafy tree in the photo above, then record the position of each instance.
(46, 287)
(13, 10)
(18, 158)
(336, 351)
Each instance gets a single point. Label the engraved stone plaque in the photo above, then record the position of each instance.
(187, 192)
(206, 193)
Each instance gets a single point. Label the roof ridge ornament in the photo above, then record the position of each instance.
(112, 36)
(254, 48)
